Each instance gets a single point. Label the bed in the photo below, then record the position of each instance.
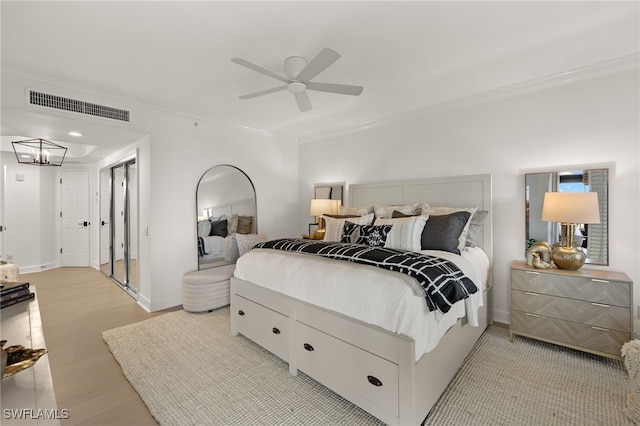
(385, 366)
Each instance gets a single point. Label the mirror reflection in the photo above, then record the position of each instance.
(592, 238)
(118, 224)
(329, 191)
(225, 204)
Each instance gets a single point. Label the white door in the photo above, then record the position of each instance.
(75, 218)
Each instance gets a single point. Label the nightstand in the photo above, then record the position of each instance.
(589, 310)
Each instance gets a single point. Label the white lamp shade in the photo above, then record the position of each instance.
(320, 206)
(571, 207)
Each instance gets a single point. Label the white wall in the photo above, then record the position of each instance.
(171, 160)
(590, 121)
(30, 237)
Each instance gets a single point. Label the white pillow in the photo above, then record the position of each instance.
(425, 208)
(439, 211)
(333, 225)
(231, 252)
(247, 241)
(232, 223)
(356, 211)
(204, 228)
(386, 212)
(406, 233)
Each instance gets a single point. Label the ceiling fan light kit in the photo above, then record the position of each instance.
(298, 75)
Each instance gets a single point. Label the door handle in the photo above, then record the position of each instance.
(85, 223)
(104, 223)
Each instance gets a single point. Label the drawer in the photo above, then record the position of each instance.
(266, 327)
(369, 380)
(567, 332)
(572, 287)
(590, 313)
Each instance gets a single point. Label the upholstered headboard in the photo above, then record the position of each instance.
(453, 191)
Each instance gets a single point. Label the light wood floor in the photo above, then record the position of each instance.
(77, 305)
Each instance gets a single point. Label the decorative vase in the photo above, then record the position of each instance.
(569, 258)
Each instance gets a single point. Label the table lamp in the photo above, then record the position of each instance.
(569, 208)
(319, 207)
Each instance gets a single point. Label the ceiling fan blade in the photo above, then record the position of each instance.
(303, 101)
(318, 64)
(258, 68)
(263, 92)
(343, 89)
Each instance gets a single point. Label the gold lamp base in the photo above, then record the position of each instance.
(565, 254)
(569, 258)
(319, 234)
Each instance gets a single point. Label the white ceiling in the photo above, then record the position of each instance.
(178, 55)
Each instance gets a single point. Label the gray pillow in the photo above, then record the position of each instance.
(473, 234)
(218, 228)
(442, 232)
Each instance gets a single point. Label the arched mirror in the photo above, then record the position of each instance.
(225, 205)
(592, 238)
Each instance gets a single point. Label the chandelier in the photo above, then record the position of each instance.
(39, 152)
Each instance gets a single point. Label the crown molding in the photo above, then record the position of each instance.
(588, 72)
(30, 79)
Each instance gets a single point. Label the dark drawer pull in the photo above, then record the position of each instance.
(374, 381)
(241, 312)
(308, 347)
(275, 330)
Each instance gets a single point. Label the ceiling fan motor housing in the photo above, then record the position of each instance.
(296, 87)
(293, 65)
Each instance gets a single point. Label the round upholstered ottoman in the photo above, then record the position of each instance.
(206, 289)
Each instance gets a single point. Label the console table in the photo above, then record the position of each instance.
(28, 397)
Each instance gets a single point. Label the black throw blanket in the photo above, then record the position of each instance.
(443, 282)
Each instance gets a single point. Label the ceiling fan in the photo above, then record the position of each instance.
(299, 73)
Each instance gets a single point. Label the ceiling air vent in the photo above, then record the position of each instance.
(81, 107)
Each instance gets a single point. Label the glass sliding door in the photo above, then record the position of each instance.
(118, 233)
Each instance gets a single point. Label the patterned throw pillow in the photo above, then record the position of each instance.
(370, 235)
(247, 241)
(334, 226)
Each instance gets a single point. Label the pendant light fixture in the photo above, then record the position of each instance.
(39, 152)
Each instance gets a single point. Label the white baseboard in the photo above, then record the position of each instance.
(502, 316)
(38, 268)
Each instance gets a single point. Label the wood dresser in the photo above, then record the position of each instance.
(589, 310)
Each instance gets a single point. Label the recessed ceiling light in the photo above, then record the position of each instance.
(74, 133)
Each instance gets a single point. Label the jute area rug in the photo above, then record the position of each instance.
(189, 370)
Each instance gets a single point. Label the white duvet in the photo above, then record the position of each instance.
(391, 300)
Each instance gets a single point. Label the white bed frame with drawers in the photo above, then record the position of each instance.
(369, 366)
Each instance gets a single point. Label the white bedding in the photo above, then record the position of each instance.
(214, 246)
(391, 300)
